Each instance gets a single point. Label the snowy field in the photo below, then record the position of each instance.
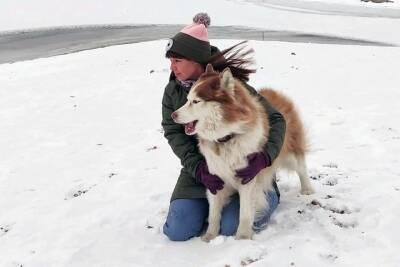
(86, 174)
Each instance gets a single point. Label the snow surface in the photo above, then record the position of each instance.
(86, 174)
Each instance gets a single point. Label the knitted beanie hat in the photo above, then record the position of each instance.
(192, 41)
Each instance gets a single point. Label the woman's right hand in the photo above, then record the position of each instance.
(211, 181)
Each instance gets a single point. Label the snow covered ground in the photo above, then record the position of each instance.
(86, 174)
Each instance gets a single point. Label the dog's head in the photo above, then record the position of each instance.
(215, 106)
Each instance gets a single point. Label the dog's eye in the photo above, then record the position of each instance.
(195, 101)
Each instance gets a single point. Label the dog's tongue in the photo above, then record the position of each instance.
(189, 127)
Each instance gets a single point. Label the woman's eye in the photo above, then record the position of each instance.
(195, 101)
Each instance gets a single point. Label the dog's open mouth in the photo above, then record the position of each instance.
(190, 127)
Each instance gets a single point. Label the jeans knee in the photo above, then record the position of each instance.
(181, 230)
(175, 232)
(184, 222)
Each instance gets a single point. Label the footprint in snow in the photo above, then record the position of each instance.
(340, 214)
(329, 257)
(331, 165)
(344, 222)
(4, 229)
(77, 191)
(337, 211)
(329, 175)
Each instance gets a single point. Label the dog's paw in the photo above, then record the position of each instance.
(307, 191)
(207, 237)
(244, 234)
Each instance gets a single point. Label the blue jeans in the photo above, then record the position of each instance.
(187, 217)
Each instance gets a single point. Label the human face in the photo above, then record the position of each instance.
(185, 69)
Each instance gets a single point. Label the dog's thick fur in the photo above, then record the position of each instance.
(219, 105)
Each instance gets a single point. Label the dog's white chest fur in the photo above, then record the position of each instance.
(223, 159)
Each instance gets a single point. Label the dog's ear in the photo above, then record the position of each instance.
(209, 68)
(227, 81)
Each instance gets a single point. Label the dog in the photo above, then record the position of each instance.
(218, 105)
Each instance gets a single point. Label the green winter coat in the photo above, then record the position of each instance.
(186, 147)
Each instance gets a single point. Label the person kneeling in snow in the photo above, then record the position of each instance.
(189, 52)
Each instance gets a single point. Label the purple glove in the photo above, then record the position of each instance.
(211, 181)
(256, 162)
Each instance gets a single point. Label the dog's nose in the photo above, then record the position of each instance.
(174, 115)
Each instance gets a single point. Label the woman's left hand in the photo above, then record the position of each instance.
(256, 162)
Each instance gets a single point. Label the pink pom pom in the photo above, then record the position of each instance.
(202, 18)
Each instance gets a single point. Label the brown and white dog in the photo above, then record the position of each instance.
(218, 106)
